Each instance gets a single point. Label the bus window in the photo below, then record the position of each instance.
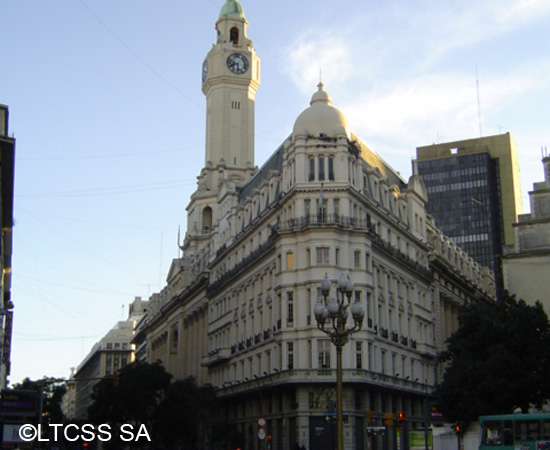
(492, 433)
(528, 430)
(546, 429)
(508, 434)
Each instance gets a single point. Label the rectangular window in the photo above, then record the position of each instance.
(337, 257)
(528, 430)
(323, 349)
(290, 309)
(321, 168)
(311, 169)
(290, 261)
(322, 255)
(357, 259)
(358, 355)
(290, 354)
(330, 168)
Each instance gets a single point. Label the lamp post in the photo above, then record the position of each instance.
(331, 317)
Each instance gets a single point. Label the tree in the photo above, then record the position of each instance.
(499, 360)
(132, 397)
(53, 390)
(185, 414)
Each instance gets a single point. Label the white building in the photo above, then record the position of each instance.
(237, 310)
(114, 351)
(526, 264)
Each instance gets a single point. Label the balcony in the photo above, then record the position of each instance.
(322, 376)
(323, 220)
(216, 356)
(427, 350)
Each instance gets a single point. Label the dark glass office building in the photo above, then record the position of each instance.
(469, 198)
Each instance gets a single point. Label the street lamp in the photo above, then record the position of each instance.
(331, 317)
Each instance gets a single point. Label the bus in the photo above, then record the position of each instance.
(515, 432)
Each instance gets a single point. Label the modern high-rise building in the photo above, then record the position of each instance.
(474, 194)
(7, 168)
(238, 310)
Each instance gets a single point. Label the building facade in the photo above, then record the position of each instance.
(237, 310)
(114, 351)
(7, 172)
(526, 263)
(474, 194)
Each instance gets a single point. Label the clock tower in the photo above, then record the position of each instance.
(230, 79)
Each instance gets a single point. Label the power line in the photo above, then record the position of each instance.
(139, 58)
(112, 190)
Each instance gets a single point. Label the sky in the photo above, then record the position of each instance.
(108, 115)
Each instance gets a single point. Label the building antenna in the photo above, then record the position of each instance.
(478, 105)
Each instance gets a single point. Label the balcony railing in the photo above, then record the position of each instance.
(217, 356)
(323, 219)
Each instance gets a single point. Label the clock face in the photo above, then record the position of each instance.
(237, 63)
(204, 70)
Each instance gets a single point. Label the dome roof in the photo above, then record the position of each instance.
(321, 118)
(232, 9)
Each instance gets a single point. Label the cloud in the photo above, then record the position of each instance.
(319, 55)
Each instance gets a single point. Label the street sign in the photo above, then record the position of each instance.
(261, 434)
(261, 422)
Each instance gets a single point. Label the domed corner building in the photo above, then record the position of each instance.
(238, 310)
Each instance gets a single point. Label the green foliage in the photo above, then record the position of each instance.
(499, 359)
(134, 398)
(185, 414)
(177, 415)
(53, 390)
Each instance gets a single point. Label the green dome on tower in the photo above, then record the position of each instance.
(232, 10)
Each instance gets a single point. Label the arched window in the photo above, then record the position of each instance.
(207, 219)
(234, 36)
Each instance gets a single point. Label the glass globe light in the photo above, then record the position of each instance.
(357, 311)
(343, 283)
(325, 285)
(318, 310)
(333, 308)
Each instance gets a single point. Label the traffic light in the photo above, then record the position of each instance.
(116, 379)
(457, 428)
(369, 416)
(400, 418)
(389, 419)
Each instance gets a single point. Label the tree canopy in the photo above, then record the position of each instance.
(498, 360)
(53, 390)
(177, 415)
(131, 395)
(185, 414)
